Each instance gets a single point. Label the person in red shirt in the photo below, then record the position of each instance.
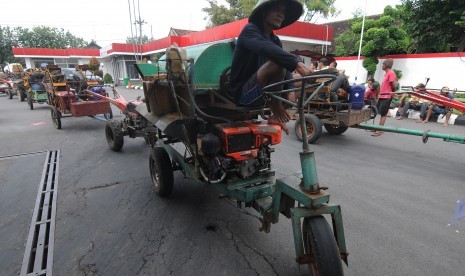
(385, 97)
(372, 90)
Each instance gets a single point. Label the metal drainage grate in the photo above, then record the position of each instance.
(38, 257)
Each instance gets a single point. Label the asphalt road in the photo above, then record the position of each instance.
(397, 196)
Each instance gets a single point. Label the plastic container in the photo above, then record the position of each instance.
(357, 96)
(125, 81)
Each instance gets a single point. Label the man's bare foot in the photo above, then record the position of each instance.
(399, 118)
(274, 121)
(424, 122)
(279, 112)
(419, 121)
(445, 124)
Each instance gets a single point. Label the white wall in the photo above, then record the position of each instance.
(442, 71)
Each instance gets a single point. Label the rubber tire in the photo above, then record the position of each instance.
(161, 171)
(374, 111)
(22, 95)
(108, 115)
(335, 130)
(56, 117)
(29, 101)
(320, 243)
(114, 135)
(316, 128)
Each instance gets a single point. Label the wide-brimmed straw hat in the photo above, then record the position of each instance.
(294, 10)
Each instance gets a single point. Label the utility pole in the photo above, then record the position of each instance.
(140, 22)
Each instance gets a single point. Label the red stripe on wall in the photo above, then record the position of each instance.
(55, 52)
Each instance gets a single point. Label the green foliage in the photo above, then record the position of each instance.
(47, 37)
(239, 9)
(320, 8)
(220, 14)
(381, 37)
(107, 78)
(369, 63)
(435, 25)
(38, 37)
(346, 43)
(398, 73)
(137, 40)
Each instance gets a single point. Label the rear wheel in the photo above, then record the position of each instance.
(314, 128)
(56, 117)
(21, 95)
(29, 101)
(161, 171)
(320, 245)
(335, 129)
(114, 134)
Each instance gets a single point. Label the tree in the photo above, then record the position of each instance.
(220, 14)
(38, 37)
(239, 9)
(137, 40)
(435, 25)
(94, 65)
(7, 41)
(381, 37)
(47, 37)
(317, 8)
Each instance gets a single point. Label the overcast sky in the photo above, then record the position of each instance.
(109, 21)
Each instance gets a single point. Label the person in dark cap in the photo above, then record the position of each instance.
(259, 59)
(385, 96)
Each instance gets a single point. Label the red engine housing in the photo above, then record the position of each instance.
(241, 140)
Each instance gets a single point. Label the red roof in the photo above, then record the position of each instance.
(222, 32)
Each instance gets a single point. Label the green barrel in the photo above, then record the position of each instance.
(210, 61)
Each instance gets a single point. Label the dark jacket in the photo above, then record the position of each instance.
(252, 50)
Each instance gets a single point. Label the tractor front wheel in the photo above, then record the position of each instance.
(114, 134)
(161, 171)
(320, 245)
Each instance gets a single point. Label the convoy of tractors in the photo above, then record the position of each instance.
(192, 125)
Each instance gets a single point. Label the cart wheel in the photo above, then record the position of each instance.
(335, 129)
(314, 128)
(321, 246)
(374, 111)
(161, 171)
(114, 135)
(108, 115)
(22, 95)
(10, 94)
(29, 101)
(56, 117)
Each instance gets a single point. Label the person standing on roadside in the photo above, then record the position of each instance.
(385, 96)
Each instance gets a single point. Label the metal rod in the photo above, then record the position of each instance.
(424, 133)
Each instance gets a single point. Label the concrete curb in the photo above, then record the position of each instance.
(414, 114)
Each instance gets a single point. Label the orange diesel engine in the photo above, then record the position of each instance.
(239, 148)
